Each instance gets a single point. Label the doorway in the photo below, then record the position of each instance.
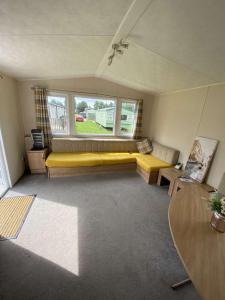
(4, 179)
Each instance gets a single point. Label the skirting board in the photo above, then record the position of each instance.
(66, 172)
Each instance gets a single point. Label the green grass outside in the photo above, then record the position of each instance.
(90, 127)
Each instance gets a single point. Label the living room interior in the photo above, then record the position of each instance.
(112, 142)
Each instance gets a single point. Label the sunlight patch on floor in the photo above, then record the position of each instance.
(51, 231)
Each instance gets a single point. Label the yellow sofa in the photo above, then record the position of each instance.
(67, 163)
(75, 157)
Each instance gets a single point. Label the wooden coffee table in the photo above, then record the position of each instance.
(171, 174)
(179, 184)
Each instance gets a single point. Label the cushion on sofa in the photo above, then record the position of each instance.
(165, 153)
(149, 162)
(144, 146)
(70, 160)
(108, 158)
(85, 159)
(93, 145)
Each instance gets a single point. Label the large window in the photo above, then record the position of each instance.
(94, 116)
(91, 116)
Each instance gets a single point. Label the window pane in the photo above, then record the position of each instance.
(128, 118)
(58, 114)
(94, 116)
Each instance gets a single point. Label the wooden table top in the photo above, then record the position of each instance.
(171, 172)
(184, 184)
(201, 248)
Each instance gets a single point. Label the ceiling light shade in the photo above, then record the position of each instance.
(124, 44)
(119, 51)
(115, 46)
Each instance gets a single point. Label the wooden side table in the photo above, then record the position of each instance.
(36, 160)
(171, 174)
(179, 184)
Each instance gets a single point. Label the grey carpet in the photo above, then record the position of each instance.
(124, 249)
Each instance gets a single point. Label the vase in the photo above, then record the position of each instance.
(218, 222)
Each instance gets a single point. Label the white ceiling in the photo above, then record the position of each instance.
(79, 17)
(51, 57)
(173, 44)
(188, 32)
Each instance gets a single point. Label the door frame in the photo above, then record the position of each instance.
(4, 166)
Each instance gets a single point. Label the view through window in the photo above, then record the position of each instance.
(57, 110)
(94, 116)
(128, 118)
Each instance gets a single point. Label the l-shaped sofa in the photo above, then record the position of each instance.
(76, 156)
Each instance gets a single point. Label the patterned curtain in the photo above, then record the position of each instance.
(42, 117)
(138, 127)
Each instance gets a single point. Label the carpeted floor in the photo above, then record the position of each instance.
(102, 237)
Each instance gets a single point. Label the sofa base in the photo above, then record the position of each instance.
(148, 177)
(66, 172)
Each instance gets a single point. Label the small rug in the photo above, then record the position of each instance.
(13, 212)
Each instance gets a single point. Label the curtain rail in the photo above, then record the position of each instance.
(87, 93)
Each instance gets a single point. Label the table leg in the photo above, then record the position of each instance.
(175, 188)
(171, 186)
(180, 284)
(159, 179)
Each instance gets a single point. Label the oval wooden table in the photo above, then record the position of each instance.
(200, 247)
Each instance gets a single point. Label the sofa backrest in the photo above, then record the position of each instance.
(162, 152)
(165, 153)
(93, 145)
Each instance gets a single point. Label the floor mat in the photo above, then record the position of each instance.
(13, 212)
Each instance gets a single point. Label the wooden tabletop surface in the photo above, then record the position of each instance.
(201, 248)
(171, 172)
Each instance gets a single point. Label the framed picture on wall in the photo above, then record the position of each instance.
(200, 158)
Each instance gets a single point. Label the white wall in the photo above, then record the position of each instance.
(177, 118)
(88, 84)
(11, 127)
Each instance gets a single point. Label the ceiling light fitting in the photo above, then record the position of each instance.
(117, 49)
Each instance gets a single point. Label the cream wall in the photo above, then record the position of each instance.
(11, 127)
(176, 119)
(88, 84)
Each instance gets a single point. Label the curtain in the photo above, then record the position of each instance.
(138, 127)
(42, 117)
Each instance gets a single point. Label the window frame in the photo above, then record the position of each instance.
(70, 108)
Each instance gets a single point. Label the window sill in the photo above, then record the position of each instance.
(93, 138)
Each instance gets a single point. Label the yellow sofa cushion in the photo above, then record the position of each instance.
(113, 158)
(149, 162)
(70, 160)
(85, 159)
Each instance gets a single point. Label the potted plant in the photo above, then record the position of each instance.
(217, 205)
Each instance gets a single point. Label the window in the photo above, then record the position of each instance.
(128, 118)
(91, 116)
(94, 116)
(57, 109)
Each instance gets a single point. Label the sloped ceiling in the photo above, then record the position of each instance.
(173, 44)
